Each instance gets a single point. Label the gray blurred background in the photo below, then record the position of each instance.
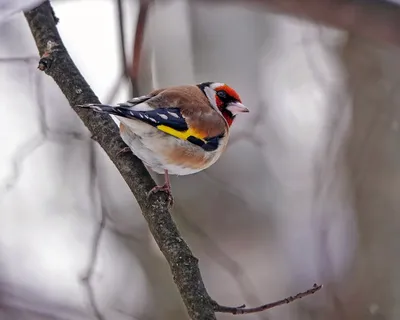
(307, 191)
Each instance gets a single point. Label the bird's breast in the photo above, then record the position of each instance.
(161, 151)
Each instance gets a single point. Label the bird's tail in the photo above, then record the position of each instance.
(104, 108)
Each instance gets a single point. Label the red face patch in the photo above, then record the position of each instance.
(229, 91)
(225, 93)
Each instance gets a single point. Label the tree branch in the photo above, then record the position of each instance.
(377, 20)
(243, 310)
(58, 64)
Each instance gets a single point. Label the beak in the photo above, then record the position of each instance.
(237, 107)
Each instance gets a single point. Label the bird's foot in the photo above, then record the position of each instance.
(164, 188)
(123, 150)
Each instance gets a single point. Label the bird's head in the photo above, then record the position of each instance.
(224, 99)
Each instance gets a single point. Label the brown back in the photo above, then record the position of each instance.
(194, 106)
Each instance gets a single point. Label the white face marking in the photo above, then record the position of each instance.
(173, 114)
(215, 85)
(164, 116)
(210, 93)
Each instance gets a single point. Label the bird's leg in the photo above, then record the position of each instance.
(124, 150)
(166, 187)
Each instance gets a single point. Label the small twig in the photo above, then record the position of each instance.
(243, 310)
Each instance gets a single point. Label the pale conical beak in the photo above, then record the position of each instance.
(237, 107)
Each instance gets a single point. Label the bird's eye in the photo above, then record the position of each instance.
(222, 94)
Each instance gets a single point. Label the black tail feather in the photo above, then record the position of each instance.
(105, 108)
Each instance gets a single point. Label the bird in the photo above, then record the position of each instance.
(178, 130)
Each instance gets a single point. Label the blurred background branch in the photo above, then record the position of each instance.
(378, 20)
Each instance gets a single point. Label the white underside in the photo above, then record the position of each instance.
(148, 143)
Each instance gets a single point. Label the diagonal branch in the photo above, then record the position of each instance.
(58, 64)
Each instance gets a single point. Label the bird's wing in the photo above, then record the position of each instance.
(173, 120)
(141, 99)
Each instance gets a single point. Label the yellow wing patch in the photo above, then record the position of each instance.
(184, 135)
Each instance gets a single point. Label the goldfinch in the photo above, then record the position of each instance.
(177, 130)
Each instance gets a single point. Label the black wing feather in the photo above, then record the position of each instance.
(134, 101)
(208, 144)
(170, 117)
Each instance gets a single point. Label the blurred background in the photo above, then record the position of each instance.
(307, 192)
